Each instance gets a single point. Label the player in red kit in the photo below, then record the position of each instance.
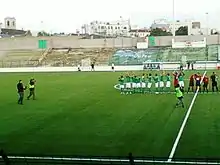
(175, 79)
(191, 83)
(198, 78)
(205, 84)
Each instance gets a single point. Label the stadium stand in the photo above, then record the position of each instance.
(73, 57)
(19, 58)
(167, 54)
(103, 56)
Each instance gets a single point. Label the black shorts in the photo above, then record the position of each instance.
(112, 68)
(205, 85)
(180, 98)
(198, 84)
(191, 84)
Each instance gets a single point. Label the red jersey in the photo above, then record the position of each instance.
(206, 80)
(191, 79)
(175, 80)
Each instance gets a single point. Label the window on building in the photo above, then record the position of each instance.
(8, 23)
(118, 23)
(102, 27)
(125, 28)
(13, 23)
(118, 27)
(108, 27)
(98, 27)
(111, 27)
(107, 23)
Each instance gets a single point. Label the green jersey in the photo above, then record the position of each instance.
(156, 79)
(134, 79)
(150, 79)
(121, 80)
(143, 79)
(179, 93)
(138, 80)
(168, 78)
(128, 79)
(181, 78)
(161, 78)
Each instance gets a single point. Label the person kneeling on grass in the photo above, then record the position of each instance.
(179, 95)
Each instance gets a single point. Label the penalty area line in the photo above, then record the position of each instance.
(173, 150)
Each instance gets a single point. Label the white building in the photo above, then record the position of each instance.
(161, 24)
(119, 27)
(194, 27)
(10, 23)
(139, 32)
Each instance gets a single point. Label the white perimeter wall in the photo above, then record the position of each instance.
(173, 66)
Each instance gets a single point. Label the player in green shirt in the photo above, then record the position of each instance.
(134, 83)
(138, 82)
(121, 83)
(149, 83)
(179, 95)
(156, 81)
(168, 82)
(128, 84)
(143, 83)
(161, 82)
(181, 80)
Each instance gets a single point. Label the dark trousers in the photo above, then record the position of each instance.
(32, 93)
(20, 97)
(214, 86)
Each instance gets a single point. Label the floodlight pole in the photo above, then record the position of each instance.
(173, 29)
(207, 23)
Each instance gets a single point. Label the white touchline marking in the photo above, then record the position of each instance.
(184, 123)
(112, 160)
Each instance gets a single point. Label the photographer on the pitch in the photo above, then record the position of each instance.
(31, 89)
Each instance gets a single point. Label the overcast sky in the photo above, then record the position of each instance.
(68, 15)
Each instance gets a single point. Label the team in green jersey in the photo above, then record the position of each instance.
(143, 84)
(131, 84)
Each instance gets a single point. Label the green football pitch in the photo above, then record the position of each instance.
(82, 114)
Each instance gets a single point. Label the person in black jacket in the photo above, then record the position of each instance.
(214, 82)
(20, 88)
(32, 88)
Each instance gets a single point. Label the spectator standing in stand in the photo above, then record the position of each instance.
(113, 67)
(92, 67)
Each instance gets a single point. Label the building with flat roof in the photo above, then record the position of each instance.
(115, 28)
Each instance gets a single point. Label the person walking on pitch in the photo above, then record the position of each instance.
(31, 89)
(179, 95)
(21, 88)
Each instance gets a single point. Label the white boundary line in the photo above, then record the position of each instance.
(184, 123)
(113, 160)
